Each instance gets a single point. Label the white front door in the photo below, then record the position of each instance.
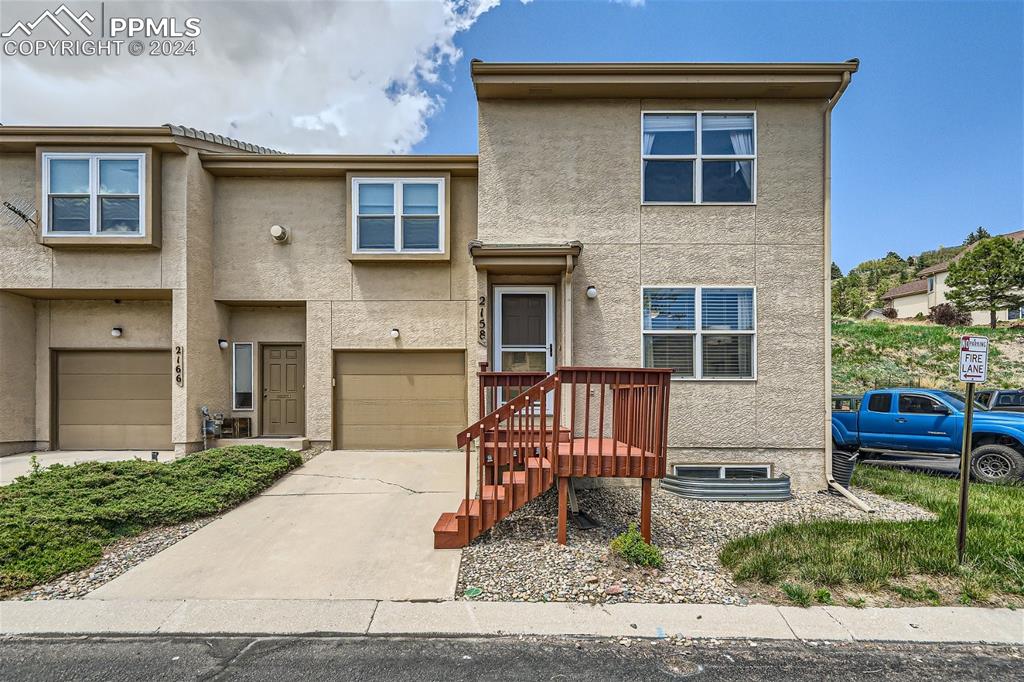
(524, 329)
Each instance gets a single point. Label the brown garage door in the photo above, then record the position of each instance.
(399, 400)
(114, 400)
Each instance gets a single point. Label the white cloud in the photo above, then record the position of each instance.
(302, 76)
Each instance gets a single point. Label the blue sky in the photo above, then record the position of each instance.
(927, 142)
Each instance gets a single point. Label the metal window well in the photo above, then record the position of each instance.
(729, 489)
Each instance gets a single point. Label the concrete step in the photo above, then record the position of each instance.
(287, 442)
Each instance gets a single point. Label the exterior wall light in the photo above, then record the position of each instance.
(395, 333)
(223, 343)
(116, 332)
(279, 234)
(591, 292)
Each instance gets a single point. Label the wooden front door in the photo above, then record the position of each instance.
(284, 390)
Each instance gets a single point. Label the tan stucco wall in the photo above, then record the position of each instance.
(24, 263)
(198, 320)
(911, 306)
(348, 305)
(17, 374)
(554, 171)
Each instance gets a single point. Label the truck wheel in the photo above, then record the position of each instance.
(996, 464)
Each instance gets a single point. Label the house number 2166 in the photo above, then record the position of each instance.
(482, 334)
(179, 365)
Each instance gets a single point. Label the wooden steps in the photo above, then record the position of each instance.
(454, 530)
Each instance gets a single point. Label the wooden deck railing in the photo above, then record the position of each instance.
(578, 421)
(497, 387)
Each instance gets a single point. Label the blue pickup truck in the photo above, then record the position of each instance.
(920, 423)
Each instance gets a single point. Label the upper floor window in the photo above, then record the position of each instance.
(93, 194)
(931, 284)
(698, 158)
(700, 332)
(398, 215)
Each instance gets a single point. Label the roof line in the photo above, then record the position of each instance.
(660, 68)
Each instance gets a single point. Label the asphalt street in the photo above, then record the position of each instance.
(332, 658)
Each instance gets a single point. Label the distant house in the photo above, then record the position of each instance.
(929, 290)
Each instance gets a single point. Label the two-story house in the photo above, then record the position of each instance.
(627, 215)
(929, 289)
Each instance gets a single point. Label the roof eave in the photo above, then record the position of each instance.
(639, 80)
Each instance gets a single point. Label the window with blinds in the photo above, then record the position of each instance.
(700, 332)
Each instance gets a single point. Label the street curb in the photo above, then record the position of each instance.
(493, 619)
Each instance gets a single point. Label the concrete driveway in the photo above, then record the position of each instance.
(13, 466)
(346, 525)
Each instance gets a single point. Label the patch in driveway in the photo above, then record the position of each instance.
(346, 525)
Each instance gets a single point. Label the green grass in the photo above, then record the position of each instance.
(59, 519)
(868, 353)
(871, 555)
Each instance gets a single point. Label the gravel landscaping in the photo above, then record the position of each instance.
(519, 560)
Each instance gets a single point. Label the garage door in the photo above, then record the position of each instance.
(399, 400)
(116, 400)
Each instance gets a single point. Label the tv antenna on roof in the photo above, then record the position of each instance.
(18, 212)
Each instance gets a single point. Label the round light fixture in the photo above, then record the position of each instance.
(116, 332)
(591, 292)
(223, 343)
(395, 333)
(279, 233)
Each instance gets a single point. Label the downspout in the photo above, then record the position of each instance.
(827, 202)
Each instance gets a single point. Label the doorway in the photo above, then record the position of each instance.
(284, 390)
(524, 329)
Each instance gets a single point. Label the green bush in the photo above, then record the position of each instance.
(632, 547)
(59, 519)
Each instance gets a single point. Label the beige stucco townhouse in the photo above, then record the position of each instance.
(666, 215)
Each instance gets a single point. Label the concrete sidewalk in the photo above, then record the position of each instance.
(368, 617)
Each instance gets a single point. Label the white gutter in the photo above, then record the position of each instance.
(832, 483)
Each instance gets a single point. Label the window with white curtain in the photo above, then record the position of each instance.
(97, 195)
(392, 215)
(698, 158)
(700, 332)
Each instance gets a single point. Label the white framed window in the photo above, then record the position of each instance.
(94, 194)
(1015, 313)
(931, 284)
(241, 376)
(701, 332)
(698, 157)
(722, 471)
(398, 215)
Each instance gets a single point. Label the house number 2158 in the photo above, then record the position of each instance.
(482, 334)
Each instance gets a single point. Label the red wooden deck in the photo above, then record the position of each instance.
(617, 423)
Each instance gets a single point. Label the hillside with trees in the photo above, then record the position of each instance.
(862, 287)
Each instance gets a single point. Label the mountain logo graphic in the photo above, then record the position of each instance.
(54, 18)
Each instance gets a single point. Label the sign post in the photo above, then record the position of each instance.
(973, 371)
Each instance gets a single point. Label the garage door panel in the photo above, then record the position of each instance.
(408, 387)
(115, 386)
(114, 400)
(115, 437)
(399, 400)
(405, 412)
(114, 411)
(93, 362)
(418, 362)
(399, 437)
